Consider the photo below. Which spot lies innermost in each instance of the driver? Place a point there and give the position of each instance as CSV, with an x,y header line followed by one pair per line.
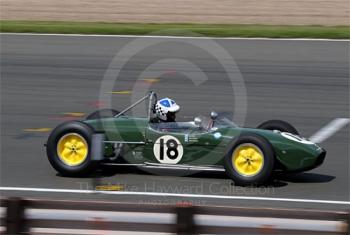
x,y
166,110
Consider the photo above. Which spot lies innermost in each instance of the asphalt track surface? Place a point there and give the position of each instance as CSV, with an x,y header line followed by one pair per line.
x,y
303,82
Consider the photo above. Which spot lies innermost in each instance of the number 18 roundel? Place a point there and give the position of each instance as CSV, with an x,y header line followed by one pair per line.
x,y
168,149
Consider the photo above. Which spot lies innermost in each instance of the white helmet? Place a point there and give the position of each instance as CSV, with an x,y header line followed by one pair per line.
x,y
164,106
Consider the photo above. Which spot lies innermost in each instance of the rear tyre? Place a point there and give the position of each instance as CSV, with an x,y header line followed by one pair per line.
x,y
278,125
249,160
103,113
69,149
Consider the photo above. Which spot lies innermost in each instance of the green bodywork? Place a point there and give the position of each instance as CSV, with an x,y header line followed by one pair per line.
x,y
200,147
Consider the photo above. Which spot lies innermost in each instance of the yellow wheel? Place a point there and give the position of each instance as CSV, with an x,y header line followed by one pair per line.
x,y
68,149
72,149
250,160
247,159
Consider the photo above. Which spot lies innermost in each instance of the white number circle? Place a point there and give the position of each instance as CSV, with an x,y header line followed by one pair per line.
x,y
295,138
168,149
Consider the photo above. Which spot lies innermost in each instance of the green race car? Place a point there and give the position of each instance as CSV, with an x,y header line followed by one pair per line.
x,y
247,155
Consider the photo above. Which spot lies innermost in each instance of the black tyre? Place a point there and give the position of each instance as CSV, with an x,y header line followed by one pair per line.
x,y
103,113
249,160
68,149
278,125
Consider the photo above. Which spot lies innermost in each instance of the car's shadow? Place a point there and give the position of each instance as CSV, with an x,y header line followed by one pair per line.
x,y
304,177
279,179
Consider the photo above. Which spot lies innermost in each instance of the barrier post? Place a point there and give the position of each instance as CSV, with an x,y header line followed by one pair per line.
x,y
348,222
15,222
185,224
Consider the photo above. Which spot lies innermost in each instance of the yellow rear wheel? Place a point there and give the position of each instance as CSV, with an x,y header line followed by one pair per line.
x,y
72,149
247,159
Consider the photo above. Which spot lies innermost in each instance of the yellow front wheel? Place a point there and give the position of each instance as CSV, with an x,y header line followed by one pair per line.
x,y
250,160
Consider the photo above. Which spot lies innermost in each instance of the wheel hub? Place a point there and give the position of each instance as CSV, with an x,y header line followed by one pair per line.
x,y
247,159
72,149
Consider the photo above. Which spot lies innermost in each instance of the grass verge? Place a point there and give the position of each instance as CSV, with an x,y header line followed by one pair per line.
x,y
213,30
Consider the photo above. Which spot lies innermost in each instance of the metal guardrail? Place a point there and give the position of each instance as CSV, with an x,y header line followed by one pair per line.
x,y
25,216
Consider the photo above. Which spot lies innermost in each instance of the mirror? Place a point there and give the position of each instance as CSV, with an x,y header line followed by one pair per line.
x,y
197,121
213,115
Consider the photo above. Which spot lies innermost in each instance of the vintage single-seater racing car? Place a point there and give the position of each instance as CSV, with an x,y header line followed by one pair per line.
x,y
249,156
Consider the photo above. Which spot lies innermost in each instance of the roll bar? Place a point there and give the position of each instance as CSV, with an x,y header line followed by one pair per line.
x,y
151,97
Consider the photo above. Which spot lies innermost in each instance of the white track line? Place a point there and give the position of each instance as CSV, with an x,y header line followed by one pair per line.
x,y
329,130
159,194
176,37
90,232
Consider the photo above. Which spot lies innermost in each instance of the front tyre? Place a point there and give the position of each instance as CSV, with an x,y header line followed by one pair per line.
x,y
249,160
278,125
69,149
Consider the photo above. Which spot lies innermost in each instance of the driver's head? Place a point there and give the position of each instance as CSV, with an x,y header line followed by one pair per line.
x,y
166,110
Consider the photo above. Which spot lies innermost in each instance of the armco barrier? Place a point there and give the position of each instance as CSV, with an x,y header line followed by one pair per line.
x,y
36,216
